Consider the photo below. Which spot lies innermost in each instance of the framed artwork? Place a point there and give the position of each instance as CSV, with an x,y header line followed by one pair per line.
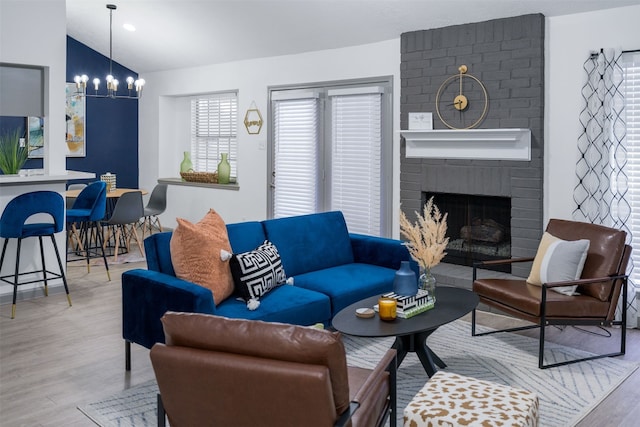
x,y
75,116
420,121
35,137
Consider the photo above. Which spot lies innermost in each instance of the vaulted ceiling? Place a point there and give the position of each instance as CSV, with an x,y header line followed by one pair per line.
x,y
174,34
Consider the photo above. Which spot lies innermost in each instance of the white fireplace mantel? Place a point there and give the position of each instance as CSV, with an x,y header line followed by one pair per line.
x,y
471,144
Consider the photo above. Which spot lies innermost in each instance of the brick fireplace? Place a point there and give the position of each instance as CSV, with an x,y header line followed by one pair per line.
x,y
507,55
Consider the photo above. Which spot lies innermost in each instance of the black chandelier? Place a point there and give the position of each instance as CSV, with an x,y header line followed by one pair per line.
x,y
134,87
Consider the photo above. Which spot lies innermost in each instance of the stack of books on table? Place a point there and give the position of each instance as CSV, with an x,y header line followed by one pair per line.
x,y
409,306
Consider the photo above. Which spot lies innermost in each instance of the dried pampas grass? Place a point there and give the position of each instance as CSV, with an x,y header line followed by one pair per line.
x,y
426,238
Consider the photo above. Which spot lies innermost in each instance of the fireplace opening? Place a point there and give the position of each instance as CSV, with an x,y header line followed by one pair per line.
x,y
478,227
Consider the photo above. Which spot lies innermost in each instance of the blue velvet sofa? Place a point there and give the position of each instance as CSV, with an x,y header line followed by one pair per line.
x,y
331,269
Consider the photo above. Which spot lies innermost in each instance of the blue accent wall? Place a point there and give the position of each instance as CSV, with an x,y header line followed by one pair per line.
x,y
111,127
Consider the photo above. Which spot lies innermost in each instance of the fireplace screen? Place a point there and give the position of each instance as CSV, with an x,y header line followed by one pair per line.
x,y
478,227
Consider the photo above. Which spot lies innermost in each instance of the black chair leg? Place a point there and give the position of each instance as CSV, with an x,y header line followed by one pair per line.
x,y
91,236
541,348
44,268
393,393
623,325
15,279
4,250
101,245
127,355
62,275
161,413
87,250
473,322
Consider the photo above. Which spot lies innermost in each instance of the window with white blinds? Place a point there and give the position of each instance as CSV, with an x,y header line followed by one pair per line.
x,y
295,157
214,122
356,140
631,88
331,152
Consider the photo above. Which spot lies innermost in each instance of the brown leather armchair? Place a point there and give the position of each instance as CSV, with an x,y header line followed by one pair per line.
x,y
234,372
602,281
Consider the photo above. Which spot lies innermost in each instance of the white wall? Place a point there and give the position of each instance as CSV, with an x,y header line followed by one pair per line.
x,y
570,39
162,140
35,33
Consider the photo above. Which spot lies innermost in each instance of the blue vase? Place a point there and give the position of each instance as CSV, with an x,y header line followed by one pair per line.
x,y
405,282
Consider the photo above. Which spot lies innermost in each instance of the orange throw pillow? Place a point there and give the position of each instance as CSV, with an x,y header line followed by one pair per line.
x,y
196,257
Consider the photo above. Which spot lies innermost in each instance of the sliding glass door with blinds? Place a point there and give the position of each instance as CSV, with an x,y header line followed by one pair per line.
x,y
331,150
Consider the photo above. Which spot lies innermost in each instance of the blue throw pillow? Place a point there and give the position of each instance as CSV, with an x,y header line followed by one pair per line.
x,y
257,272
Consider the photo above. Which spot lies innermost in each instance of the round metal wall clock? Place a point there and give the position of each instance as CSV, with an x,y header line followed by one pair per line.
x,y
462,101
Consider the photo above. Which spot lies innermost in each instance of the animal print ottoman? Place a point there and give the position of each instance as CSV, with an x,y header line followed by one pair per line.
x,y
449,399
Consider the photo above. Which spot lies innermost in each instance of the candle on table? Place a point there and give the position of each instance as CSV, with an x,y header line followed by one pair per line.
x,y
387,308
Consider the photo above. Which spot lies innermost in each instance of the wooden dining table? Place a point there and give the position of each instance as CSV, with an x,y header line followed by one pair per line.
x,y
72,194
112,197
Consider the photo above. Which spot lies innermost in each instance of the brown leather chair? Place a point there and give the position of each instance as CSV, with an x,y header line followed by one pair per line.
x,y
233,372
603,279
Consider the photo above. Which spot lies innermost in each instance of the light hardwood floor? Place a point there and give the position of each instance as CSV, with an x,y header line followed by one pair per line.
x,y
54,357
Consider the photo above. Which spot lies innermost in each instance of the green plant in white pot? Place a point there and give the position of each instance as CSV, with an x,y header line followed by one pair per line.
x,y
12,155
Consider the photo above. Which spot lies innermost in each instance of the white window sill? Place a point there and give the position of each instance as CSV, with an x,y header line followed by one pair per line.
x,y
180,182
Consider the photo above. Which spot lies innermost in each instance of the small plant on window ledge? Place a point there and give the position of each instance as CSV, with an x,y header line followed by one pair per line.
x,y
12,155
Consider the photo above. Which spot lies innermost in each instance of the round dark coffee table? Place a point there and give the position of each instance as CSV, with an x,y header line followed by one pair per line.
x,y
411,334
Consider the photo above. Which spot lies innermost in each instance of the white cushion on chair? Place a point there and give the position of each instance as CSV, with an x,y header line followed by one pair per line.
x,y
558,260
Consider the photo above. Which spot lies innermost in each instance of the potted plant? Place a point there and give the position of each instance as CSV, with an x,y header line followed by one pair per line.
x,y
12,155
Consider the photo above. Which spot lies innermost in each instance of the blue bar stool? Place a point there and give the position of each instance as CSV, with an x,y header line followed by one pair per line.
x,y
87,212
13,226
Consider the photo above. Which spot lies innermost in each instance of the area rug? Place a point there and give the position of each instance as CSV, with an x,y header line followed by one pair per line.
x,y
566,393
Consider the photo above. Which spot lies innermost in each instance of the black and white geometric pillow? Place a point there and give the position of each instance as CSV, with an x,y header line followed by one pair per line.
x,y
257,272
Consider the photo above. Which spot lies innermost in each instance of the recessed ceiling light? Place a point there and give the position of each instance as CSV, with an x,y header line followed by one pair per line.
x,y
129,27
